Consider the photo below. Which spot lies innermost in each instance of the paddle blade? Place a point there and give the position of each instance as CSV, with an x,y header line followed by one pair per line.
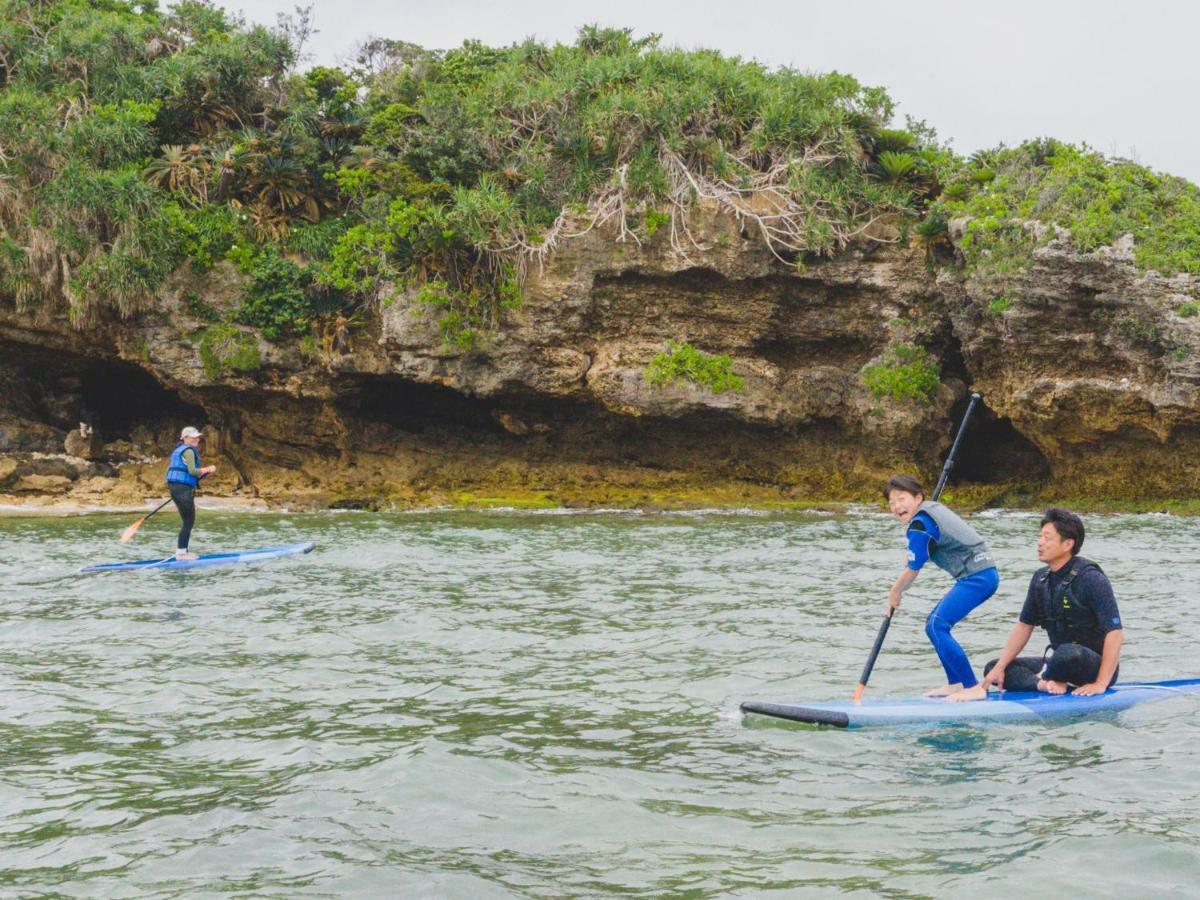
x,y
128,533
858,692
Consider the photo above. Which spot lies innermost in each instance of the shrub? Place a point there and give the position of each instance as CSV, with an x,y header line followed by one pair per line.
x,y
1095,199
999,305
905,373
683,362
1189,309
281,298
225,348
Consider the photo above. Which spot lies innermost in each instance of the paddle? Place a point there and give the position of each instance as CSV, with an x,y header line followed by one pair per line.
x,y
937,492
128,533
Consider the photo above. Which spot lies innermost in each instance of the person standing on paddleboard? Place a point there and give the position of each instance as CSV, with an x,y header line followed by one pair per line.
x,y
1072,599
183,474
936,533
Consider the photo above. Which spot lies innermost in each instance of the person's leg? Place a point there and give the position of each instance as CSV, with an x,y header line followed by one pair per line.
x,y
1022,673
184,496
1073,665
966,594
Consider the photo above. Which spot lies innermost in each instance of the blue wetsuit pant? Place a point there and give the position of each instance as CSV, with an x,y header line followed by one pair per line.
x,y
966,594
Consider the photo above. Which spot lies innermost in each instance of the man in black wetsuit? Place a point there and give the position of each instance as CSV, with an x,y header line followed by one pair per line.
x,y
1072,599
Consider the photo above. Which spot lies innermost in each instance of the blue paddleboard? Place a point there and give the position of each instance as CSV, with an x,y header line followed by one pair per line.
x,y
205,561
1000,706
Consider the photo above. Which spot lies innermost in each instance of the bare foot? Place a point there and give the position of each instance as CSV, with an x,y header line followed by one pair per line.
x,y
945,690
1051,687
978,692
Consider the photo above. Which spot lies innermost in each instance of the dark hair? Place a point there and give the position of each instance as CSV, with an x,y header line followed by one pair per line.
x,y
906,483
1068,525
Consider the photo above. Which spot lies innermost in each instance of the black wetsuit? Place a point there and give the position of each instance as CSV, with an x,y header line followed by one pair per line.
x,y
1074,662
184,496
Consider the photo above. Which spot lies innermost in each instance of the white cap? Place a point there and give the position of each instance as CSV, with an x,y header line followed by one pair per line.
x,y
190,432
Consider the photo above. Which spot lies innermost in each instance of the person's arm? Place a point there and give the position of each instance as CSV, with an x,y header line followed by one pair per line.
x,y
190,458
1098,590
918,538
1109,659
907,577
1017,639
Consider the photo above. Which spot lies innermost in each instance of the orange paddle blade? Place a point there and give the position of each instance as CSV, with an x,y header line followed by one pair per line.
x,y
128,533
858,692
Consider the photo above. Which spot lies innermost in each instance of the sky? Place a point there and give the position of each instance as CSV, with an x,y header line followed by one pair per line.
x,y
1122,77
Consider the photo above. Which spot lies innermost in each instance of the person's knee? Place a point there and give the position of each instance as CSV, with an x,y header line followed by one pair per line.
x,y
936,627
1071,655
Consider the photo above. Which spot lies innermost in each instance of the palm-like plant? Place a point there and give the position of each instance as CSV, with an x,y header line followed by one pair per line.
x,y
895,165
182,170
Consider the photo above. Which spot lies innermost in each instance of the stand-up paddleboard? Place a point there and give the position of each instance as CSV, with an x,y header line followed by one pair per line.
x,y
1000,706
202,562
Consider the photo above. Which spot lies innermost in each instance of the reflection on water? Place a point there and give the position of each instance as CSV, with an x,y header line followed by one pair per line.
x,y
471,704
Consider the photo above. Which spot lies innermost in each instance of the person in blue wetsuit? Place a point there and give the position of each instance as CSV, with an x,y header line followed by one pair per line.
x,y
1073,600
183,474
935,533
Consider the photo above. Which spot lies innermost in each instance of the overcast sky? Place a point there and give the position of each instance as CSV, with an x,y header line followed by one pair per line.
x,y
1120,76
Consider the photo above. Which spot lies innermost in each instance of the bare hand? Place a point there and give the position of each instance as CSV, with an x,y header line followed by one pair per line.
x,y
893,599
996,677
208,470
1088,690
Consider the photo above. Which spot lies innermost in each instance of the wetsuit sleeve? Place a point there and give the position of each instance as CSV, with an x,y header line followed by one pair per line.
x,y
1096,591
919,537
1031,612
189,459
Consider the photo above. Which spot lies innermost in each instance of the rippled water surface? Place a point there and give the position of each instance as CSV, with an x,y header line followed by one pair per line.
x,y
504,704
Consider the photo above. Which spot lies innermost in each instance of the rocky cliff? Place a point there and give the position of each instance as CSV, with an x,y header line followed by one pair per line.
x,y
1087,366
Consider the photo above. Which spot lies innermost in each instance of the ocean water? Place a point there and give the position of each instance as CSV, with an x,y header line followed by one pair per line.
x,y
513,704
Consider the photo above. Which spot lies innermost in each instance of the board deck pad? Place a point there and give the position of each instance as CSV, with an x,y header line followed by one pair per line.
x,y
170,563
1000,706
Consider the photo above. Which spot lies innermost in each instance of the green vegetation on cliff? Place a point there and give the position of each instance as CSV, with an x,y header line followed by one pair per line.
x,y
137,140
1005,192
683,362
904,373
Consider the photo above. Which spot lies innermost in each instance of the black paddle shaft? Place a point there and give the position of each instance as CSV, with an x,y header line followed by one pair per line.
x,y
937,492
962,429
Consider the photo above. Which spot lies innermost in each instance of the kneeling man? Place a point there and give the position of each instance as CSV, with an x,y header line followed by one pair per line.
x,y
1072,599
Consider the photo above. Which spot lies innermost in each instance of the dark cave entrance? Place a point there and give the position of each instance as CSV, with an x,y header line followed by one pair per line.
x,y
993,451
54,391
119,397
405,405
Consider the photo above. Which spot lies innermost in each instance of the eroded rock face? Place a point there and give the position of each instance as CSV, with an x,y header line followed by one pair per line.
x,y
1094,364
1086,366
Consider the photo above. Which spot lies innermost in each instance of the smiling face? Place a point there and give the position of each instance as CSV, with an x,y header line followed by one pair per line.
x,y
903,505
1052,548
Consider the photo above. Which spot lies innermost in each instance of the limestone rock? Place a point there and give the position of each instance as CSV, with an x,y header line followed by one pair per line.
x,y
43,484
1090,377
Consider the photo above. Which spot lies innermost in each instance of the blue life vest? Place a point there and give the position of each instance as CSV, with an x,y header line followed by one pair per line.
x,y
177,471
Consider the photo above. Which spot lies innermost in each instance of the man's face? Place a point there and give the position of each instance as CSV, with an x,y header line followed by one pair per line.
x,y
1051,546
192,441
904,505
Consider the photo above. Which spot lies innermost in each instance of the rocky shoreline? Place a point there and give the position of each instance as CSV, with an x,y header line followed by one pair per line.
x,y
1089,381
